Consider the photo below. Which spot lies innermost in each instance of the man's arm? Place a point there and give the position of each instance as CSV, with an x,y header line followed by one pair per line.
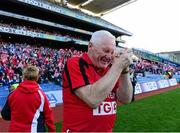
x,y
125,90
48,115
95,93
6,112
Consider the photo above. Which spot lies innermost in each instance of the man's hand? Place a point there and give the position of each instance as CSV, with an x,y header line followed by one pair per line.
x,y
123,58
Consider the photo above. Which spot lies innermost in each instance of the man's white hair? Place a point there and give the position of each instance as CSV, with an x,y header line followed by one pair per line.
x,y
98,36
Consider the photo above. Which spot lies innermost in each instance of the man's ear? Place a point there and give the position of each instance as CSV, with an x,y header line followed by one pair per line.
x,y
37,78
90,45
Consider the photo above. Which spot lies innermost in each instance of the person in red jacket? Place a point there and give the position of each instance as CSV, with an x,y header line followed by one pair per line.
x,y
27,107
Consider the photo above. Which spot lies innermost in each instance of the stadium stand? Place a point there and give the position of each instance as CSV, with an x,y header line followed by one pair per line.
x,y
46,35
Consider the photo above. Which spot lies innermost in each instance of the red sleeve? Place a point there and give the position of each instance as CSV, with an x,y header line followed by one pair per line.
x,y
74,74
48,115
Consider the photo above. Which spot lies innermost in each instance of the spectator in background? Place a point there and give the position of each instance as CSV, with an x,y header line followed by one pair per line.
x,y
13,87
92,84
133,78
169,73
140,68
28,107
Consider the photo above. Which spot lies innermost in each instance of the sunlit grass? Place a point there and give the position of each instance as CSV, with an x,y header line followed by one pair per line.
x,y
160,113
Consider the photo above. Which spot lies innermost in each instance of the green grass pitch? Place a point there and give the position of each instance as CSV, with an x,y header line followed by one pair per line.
x,y
158,113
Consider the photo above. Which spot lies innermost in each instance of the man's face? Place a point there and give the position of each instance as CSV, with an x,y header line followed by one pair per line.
x,y
102,54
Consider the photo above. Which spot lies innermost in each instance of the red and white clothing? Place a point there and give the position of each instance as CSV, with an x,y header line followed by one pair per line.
x,y
77,115
28,109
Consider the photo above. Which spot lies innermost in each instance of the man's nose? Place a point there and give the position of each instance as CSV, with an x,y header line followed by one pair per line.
x,y
108,55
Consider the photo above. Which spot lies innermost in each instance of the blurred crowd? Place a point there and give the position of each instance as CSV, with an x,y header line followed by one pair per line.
x,y
144,66
15,56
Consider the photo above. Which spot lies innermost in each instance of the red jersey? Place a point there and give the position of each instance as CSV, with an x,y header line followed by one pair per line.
x,y
77,115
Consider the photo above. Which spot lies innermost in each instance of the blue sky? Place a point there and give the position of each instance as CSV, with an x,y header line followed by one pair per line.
x,y
155,24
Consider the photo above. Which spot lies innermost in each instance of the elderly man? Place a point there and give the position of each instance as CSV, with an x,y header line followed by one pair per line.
x,y
93,83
